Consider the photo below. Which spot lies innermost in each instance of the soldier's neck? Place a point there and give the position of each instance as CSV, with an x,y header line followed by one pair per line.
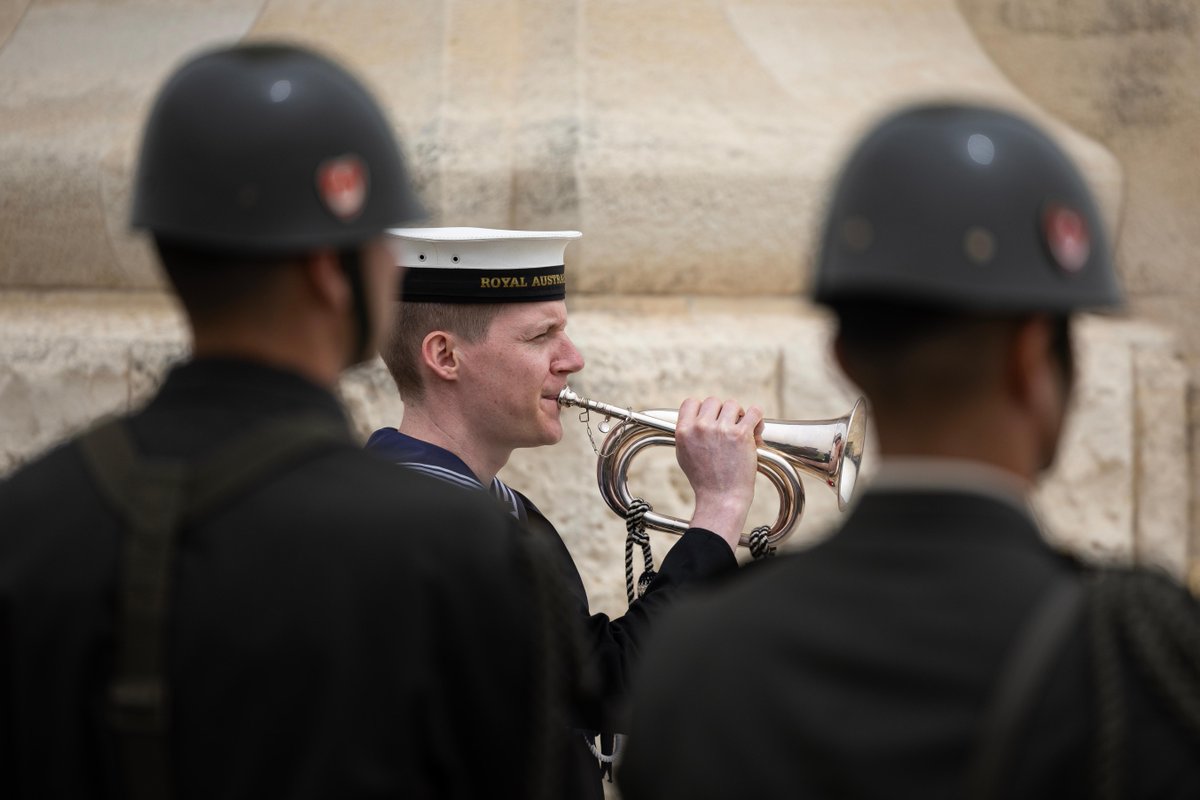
x,y
321,369
994,445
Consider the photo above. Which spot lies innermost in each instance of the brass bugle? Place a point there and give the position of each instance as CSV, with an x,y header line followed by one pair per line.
x,y
829,450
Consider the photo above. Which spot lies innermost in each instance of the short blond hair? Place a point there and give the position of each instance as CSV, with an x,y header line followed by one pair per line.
x,y
414,321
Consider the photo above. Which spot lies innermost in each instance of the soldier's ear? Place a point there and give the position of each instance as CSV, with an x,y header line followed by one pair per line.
x,y
326,280
439,353
1033,374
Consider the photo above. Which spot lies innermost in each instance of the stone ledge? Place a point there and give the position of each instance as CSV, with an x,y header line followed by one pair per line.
x,y
689,174
1121,488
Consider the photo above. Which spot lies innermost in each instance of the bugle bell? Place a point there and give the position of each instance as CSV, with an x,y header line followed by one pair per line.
x,y
830,450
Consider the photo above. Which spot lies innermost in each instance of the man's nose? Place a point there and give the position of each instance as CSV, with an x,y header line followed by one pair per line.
x,y
570,360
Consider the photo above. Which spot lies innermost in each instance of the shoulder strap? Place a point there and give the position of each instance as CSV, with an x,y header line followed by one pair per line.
x,y
1024,671
154,497
250,459
148,496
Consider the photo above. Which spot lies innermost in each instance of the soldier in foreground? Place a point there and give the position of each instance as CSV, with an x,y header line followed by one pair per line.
x,y
936,646
222,595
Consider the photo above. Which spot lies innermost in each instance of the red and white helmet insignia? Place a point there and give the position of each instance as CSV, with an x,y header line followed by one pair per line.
x,y
1067,236
342,184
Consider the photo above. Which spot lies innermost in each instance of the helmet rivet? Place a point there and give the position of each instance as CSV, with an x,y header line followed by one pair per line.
x,y
280,91
858,234
979,244
981,149
421,257
454,259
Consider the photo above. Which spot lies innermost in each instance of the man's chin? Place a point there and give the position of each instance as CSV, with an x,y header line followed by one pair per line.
x,y
546,436
553,433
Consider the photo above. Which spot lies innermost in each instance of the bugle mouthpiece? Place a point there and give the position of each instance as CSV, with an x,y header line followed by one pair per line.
x,y
567,398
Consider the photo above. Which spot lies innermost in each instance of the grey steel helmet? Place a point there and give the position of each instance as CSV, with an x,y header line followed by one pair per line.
x,y
269,149
967,208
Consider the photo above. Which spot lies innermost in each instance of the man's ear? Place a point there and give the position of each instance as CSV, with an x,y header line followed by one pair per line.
x,y
1031,373
326,280
439,351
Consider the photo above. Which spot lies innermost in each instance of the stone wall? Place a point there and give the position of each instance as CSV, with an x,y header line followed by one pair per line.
x,y
1127,74
692,143
67,357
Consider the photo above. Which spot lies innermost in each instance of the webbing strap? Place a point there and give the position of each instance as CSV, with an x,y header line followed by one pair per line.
x,y
156,497
237,465
148,495
1024,671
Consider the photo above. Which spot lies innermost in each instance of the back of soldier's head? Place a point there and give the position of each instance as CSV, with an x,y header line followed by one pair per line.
x,y
947,224
255,154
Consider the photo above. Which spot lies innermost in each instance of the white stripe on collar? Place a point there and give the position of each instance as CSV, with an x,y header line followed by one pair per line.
x,y
499,490
448,475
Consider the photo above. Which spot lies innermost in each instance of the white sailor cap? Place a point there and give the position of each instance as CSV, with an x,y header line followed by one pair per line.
x,y
481,265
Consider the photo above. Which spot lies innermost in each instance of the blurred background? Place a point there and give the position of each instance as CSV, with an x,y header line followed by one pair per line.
x,y
692,142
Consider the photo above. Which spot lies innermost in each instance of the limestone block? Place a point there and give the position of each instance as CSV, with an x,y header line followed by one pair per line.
x,y
692,143
1101,65
369,397
76,80
1121,488
1088,504
1128,74
10,15
66,360
1163,478
1177,312
712,131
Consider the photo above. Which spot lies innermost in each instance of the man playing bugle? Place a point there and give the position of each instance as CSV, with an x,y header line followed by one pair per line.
x,y
480,354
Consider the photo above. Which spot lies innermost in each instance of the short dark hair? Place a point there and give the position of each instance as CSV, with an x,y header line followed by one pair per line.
x,y
213,283
414,321
916,356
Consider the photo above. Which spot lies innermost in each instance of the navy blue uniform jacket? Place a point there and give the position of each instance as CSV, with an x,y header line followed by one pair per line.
x,y
611,647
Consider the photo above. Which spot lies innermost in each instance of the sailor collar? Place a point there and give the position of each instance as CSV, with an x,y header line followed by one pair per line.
x,y
437,462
